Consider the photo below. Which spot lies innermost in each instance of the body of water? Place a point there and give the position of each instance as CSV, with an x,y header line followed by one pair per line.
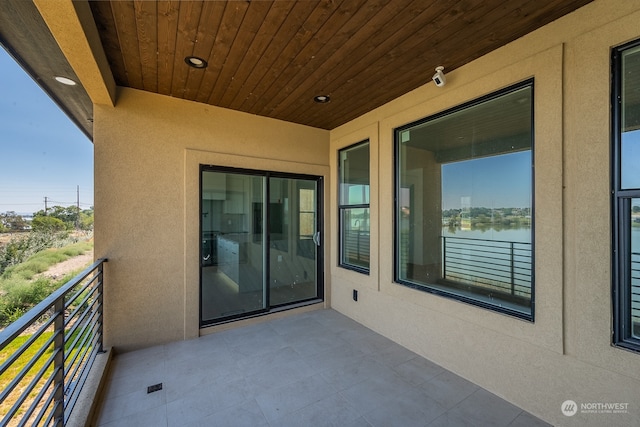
x,y
522,235
518,235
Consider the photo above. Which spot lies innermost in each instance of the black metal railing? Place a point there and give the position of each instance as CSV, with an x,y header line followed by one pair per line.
x,y
43,372
493,264
635,293
356,244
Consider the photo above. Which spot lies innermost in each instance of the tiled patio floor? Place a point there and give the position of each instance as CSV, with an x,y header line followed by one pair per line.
x,y
313,369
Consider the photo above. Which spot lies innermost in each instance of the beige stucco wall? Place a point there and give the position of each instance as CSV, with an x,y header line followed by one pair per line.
x,y
147,155
566,353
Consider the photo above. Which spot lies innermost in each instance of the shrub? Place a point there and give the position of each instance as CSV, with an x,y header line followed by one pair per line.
x,y
19,249
19,292
21,295
48,223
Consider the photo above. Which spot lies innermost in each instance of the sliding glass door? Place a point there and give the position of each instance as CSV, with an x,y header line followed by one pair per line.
x,y
260,242
293,240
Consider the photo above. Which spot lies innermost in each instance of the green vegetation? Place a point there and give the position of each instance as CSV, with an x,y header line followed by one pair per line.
x,y
19,364
24,255
24,359
67,219
485,218
47,223
41,261
56,218
21,289
11,221
24,245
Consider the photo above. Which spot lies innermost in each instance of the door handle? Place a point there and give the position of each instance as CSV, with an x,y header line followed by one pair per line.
x,y
316,238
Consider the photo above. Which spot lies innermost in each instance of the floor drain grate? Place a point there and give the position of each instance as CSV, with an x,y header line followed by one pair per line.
x,y
154,387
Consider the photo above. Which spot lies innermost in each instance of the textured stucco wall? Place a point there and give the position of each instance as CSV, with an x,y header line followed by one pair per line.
x,y
566,353
147,155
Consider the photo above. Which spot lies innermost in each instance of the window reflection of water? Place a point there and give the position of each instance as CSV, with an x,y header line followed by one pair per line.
x,y
522,234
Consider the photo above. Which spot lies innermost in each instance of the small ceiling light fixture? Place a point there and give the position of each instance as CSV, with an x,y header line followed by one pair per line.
x,y
195,62
65,81
438,78
322,99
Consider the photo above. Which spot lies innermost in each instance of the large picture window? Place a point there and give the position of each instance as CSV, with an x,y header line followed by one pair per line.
x,y
464,211
626,195
354,207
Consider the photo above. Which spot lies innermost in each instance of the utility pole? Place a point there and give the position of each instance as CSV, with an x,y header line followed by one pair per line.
x,y
78,210
45,205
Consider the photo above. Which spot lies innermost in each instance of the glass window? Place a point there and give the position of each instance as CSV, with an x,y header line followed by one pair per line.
x,y
464,213
626,190
354,207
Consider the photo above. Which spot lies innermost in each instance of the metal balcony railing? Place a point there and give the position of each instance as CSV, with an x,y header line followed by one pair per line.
x,y
356,246
45,373
492,264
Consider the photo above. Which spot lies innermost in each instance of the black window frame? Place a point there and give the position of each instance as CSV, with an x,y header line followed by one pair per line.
x,y
396,249
621,214
343,207
264,228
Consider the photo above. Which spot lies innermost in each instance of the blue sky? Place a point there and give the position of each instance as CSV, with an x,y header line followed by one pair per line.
x,y
498,181
631,159
42,152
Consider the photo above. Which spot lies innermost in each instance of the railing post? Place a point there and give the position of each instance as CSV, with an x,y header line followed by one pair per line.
x,y
444,257
58,363
100,310
513,278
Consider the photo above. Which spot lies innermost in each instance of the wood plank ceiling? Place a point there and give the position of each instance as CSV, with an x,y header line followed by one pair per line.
x,y
271,58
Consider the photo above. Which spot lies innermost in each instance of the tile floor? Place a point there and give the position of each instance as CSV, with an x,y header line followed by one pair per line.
x,y
314,369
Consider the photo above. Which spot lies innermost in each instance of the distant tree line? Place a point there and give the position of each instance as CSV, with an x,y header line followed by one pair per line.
x,y
56,218
507,217
11,221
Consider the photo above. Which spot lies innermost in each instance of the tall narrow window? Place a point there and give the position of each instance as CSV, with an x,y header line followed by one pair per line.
x,y
626,194
354,207
464,211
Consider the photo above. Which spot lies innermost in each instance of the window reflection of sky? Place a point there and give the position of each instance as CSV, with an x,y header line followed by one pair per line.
x,y
630,167
502,181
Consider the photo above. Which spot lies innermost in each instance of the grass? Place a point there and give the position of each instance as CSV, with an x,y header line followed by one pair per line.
x,y
18,365
40,262
22,361
21,289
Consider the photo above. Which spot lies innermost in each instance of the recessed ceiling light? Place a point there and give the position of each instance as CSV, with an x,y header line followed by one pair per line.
x,y
195,62
322,99
65,81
